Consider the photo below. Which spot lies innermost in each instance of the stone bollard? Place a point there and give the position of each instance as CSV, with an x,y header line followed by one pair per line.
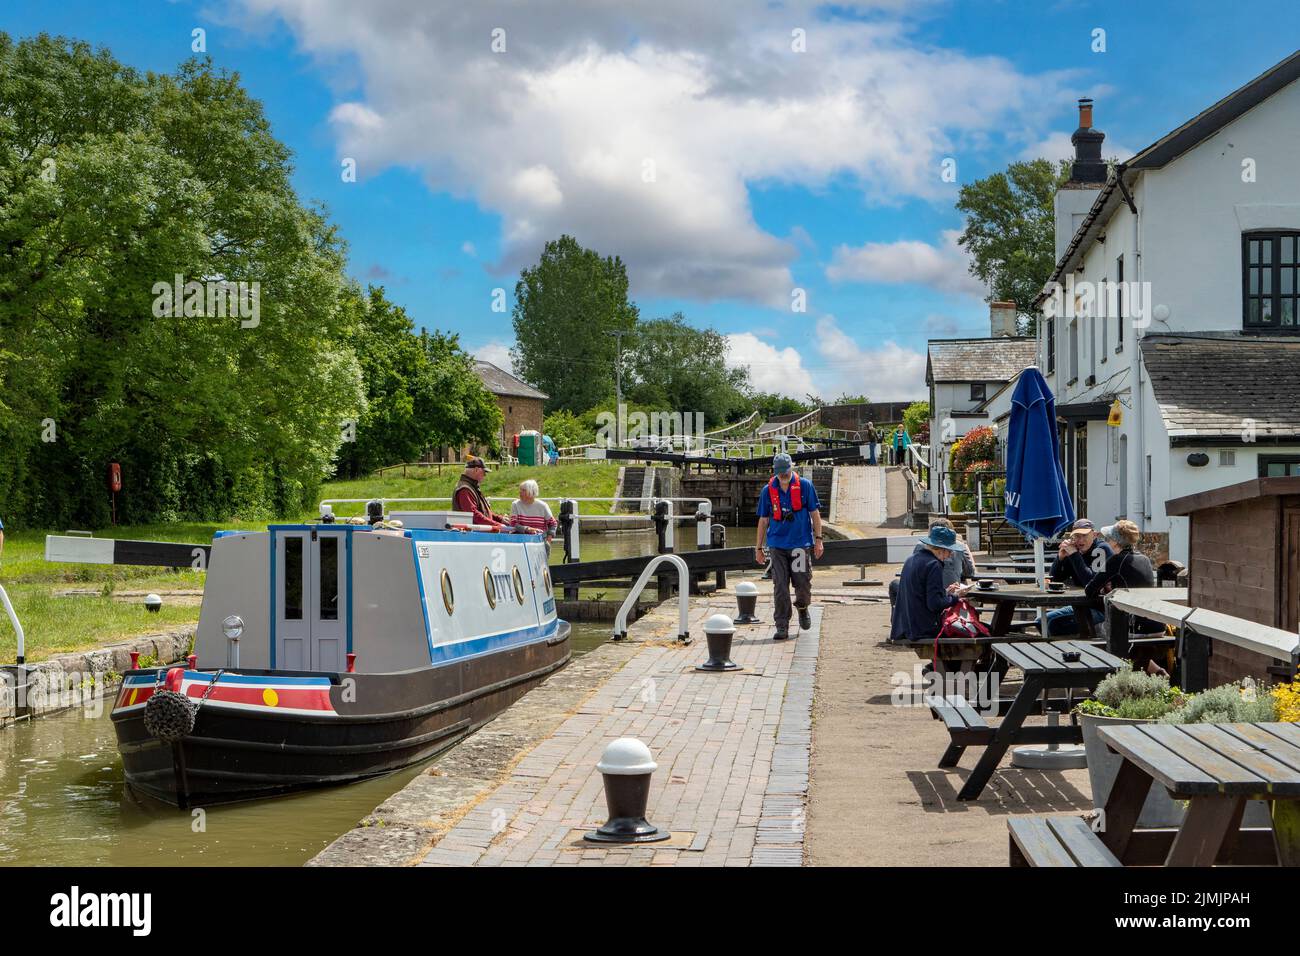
x,y
718,630
627,766
746,601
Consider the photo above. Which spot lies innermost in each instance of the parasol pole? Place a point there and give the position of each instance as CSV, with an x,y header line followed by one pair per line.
x,y
1040,575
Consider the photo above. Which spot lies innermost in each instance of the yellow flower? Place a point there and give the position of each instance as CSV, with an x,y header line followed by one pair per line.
x,y
1287,699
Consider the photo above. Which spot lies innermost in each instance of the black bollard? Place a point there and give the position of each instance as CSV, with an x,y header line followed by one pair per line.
x,y
746,601
718,631
626,766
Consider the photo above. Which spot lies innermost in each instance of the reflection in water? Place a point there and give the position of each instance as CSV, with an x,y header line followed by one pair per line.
x,y
63,800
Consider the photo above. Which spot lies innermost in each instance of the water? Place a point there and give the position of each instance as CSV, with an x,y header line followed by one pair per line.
x,y
64,802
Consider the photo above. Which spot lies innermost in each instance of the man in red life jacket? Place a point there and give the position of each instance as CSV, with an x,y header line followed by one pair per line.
x,y
789,528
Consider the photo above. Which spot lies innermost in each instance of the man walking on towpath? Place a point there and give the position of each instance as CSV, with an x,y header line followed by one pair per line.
x,y
789,528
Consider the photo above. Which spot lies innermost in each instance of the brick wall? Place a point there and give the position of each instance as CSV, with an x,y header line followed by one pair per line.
x,y
855,417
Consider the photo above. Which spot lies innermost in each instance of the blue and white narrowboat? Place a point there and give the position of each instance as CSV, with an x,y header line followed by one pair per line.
x,y
331,652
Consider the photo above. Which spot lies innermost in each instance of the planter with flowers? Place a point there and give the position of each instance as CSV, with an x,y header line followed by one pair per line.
x,y
1132,697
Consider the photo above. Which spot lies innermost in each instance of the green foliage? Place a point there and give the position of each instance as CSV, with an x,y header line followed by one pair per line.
x,y
915,416
770,404
1010,230
1134,695
564,306
112,182
567,429
421,390
978,445
1228,703
675,367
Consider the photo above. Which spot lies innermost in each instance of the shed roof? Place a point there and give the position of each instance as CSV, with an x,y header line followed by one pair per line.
x,y
1225,386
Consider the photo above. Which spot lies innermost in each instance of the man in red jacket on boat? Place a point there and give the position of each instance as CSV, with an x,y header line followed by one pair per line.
x,y
790,525
468,497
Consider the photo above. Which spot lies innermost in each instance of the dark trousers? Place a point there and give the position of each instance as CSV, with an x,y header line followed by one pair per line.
x,y
790,566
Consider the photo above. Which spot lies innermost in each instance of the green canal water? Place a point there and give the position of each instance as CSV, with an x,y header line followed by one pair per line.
x,y
63,800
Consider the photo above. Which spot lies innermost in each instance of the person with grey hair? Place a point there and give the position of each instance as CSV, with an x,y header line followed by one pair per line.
x,y
531,512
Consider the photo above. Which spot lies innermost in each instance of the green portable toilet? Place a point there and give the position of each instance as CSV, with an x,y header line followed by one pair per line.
x,y
530,448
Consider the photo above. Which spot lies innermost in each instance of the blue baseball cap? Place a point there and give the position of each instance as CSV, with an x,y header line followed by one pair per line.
x,y
781,464
941,537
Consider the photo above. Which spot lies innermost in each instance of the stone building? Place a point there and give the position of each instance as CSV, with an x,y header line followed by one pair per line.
x,y
520,403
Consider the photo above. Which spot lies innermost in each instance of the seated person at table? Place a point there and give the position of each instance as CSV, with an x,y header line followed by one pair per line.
x,y
1126,568
922,596
959,567
1082,554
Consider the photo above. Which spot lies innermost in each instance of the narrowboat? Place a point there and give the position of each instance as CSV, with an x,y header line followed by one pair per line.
x,y
331,652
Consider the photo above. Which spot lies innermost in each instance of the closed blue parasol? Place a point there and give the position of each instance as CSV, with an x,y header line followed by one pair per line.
x,y
1038,502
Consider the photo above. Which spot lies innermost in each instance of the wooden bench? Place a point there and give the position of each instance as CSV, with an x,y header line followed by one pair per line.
x,y
965,726
1057,841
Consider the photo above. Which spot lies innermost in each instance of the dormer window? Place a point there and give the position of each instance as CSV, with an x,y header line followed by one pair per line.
x,y
1270,263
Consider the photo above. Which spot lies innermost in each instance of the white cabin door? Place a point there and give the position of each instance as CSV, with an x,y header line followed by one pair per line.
x,y
292,626
328,604
311,610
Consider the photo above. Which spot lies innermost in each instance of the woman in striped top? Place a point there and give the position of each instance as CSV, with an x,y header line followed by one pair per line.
x,y
529,511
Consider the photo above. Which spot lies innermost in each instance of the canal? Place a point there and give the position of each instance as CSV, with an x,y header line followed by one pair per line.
x,y
63,801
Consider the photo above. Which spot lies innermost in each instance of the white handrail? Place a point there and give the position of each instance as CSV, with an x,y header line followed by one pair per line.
x,y
683,593
13,619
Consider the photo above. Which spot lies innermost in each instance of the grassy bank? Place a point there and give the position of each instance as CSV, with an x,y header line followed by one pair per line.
x,y
55,624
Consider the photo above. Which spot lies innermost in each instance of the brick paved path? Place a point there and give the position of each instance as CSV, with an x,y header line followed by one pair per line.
x,y
732,751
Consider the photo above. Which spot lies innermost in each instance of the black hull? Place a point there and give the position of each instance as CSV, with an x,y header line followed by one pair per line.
x,y
384,722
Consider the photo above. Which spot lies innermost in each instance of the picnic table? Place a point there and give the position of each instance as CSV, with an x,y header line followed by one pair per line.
x,y
1216,768
1009,598
1047,666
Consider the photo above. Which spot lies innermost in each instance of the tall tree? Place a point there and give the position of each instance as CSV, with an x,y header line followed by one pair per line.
x,y
421,390
676,367
111,184
564,306
1010,230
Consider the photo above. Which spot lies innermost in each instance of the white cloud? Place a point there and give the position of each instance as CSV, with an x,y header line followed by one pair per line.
x,y
639,127
467,247
771,369
496,352
944,266
885,373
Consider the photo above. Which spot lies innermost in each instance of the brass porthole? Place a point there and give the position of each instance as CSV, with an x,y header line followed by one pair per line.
x,y
546,576
519,585
448,595
489,588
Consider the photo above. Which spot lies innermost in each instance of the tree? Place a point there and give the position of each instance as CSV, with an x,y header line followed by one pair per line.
x,y
675,367
564,306
771,404
113,183
1010,230
915,416
421,390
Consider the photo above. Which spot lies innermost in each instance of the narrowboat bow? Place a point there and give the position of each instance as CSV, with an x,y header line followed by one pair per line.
x,y
331,652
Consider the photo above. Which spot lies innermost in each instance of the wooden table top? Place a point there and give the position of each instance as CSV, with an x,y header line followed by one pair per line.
x,y
1030,596
1203,759
1048,657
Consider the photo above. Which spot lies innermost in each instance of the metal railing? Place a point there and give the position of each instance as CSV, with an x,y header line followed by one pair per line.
x,y
683,595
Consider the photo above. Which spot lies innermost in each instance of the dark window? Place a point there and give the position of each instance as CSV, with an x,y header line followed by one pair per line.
x,y
1051,346
329,578
1279,466
293,579
1270,286
977,392
1119,279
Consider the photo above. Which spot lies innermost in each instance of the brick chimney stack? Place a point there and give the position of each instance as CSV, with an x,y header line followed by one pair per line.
x,y
1088,166
1002,319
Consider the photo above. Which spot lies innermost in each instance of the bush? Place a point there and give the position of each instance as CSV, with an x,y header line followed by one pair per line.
x,y
1228,704
1133,695
916,419
977,445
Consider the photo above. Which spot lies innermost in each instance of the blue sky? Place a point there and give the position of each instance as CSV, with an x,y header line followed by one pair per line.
x,y
726,166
